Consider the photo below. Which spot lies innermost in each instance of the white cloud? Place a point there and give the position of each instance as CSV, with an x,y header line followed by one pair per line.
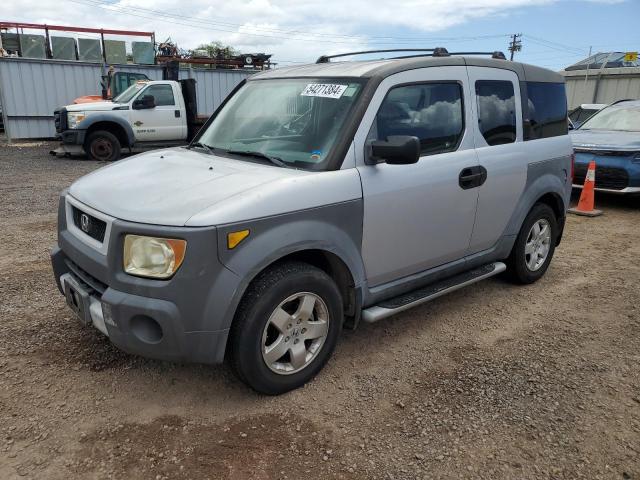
x,y
291,29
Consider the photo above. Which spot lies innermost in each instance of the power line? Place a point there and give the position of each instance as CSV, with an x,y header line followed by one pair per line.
x,y
286,34
306,36
553,45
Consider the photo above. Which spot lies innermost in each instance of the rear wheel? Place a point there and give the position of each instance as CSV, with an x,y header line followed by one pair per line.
x,y
535,245
102,146
286,328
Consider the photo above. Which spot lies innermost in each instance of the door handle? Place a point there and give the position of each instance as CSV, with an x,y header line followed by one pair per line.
x,y
472,177
177,113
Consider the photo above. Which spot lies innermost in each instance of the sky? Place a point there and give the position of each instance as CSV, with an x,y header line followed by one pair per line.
x,y
555,33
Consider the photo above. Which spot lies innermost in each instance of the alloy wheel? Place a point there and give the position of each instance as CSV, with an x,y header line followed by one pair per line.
x,y
295,333
538,244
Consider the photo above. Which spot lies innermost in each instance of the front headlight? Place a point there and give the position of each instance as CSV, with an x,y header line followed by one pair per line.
x,y
153,257
74,118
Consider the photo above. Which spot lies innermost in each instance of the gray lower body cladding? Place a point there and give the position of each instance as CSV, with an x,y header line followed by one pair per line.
x,y
188,308
193,311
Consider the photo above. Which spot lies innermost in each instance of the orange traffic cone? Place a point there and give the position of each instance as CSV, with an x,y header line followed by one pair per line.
x,y
586,202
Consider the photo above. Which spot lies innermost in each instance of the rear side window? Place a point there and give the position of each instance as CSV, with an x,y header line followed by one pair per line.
x,y
585,114
163,94
547,110
574,116
496,111
433,112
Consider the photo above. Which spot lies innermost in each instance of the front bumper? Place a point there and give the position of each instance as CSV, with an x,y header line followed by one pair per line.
x,y
73,137
614,173
624,191
139,325
185,318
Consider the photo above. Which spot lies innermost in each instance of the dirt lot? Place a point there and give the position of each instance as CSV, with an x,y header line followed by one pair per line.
x,y
494,381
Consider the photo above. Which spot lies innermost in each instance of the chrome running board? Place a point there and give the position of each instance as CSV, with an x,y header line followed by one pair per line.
x,y
422,295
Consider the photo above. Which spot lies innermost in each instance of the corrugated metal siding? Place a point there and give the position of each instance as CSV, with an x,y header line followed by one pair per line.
x,y
30,90
614,84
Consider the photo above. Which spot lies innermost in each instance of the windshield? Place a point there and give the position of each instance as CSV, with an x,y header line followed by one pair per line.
x,y
129,93
294,120
615,118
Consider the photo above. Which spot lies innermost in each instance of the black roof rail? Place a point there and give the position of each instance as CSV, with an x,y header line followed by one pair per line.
x,y
429,52
497,54
439,51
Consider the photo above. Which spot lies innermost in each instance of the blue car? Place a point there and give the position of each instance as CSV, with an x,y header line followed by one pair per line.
x,y
611,137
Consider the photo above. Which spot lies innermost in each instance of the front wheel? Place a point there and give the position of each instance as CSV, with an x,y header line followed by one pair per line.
x,y
286,327
534,246
102,146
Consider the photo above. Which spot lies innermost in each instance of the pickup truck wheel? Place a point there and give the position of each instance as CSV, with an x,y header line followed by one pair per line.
x,y
102,146
534,245
286,328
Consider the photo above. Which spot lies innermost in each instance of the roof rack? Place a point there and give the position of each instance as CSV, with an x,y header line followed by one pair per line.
x,y
497,54
326,58
429,52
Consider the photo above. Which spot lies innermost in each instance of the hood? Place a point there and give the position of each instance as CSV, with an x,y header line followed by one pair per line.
x,y
605,140
167,187
92,107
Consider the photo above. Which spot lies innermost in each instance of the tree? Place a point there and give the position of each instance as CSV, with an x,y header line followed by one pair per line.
x,y
217,49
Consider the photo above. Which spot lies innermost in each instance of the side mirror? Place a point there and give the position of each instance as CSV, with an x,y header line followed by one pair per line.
x,y
397,150
146,102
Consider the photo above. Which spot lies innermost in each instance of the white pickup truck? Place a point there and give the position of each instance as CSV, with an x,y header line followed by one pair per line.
x,y
148,113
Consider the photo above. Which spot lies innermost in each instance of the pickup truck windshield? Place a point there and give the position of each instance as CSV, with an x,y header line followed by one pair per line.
x,y
294,120
129,93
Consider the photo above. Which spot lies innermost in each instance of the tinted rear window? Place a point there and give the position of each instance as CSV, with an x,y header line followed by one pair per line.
x,y
496,111
547,110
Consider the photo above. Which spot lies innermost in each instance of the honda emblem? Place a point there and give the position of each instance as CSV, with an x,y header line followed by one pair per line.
x,y
84,223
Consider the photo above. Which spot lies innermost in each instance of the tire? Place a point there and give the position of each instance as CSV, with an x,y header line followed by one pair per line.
x,y
525,264
276,297
102,146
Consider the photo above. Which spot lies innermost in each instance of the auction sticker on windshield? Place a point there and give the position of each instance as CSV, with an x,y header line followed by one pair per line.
x,y
326,90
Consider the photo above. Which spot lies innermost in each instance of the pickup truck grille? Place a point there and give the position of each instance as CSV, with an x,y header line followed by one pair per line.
x,y
606,177
60,119
92,226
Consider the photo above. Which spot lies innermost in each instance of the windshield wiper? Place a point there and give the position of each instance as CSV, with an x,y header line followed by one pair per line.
x,y
249,153
204,146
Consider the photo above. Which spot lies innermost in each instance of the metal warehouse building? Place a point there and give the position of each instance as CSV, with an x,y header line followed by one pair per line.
x,y
602,78
31,89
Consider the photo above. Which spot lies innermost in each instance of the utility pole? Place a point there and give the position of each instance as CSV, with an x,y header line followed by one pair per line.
x,y
515,45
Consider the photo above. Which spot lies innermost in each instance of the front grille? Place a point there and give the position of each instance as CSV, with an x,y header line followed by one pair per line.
x,y
92,226
606,177
60,120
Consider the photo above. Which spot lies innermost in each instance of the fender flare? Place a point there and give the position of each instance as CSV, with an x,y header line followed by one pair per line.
x,y
273,239
543,185
110,118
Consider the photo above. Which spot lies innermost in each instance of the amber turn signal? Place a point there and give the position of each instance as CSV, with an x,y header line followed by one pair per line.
x,y
234,238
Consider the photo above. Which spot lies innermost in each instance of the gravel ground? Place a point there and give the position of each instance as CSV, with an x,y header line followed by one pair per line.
x,y
494,381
